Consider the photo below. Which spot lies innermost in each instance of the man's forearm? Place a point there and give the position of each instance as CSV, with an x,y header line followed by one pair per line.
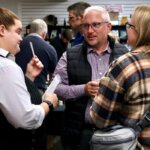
x,y
69,92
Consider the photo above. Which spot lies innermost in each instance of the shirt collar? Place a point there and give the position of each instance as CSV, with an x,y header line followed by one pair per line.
x,y
35,34
107,49
3,52
7,54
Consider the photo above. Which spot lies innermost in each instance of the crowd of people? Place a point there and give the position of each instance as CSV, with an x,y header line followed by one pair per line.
x,y
102,82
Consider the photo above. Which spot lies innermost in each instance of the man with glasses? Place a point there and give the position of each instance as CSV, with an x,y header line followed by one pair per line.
x,y
80,69
75,15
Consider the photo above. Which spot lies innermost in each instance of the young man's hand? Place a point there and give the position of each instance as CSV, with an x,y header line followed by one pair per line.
x,y
34,68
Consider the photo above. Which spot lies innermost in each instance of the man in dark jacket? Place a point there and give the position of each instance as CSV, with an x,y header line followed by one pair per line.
x,y
43,50
80,68
61,41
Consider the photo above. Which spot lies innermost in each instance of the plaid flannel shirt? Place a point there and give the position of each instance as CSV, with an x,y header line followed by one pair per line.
x,y
124,93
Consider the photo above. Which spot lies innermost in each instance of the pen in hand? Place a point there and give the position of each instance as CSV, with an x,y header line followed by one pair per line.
x,y
31,45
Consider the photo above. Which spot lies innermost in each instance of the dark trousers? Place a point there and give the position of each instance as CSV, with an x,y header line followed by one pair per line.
x,y
19,139
84,141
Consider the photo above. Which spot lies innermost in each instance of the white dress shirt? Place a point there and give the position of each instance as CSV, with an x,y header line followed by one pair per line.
x,y
15,101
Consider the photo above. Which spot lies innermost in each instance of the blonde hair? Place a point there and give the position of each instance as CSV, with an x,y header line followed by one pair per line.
x,y
141,20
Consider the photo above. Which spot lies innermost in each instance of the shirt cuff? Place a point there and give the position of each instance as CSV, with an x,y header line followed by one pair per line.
x,y
80,90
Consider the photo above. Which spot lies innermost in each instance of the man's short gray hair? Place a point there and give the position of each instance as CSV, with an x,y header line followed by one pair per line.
x,y
38,26
103,12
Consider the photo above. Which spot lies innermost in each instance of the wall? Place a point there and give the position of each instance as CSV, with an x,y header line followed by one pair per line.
x,y
29,10
14,5
32,10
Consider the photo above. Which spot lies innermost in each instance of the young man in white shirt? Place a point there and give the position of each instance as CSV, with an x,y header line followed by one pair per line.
x,y
15,100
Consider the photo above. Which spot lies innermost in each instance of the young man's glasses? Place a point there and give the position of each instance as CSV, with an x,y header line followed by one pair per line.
x,y
94,25
128,25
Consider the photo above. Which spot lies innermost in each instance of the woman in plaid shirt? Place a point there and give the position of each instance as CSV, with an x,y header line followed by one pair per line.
x,y
124,92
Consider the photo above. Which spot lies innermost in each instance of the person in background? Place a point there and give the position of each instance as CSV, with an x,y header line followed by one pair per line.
x,y
124,94
115,36
80,68
61,42
16,110
43,50
75,15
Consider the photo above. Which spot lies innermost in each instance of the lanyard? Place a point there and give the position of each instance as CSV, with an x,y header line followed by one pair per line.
x,y
5,56
1,56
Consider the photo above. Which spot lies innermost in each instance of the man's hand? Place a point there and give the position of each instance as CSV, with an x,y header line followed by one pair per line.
x,y
34,68
52,98
91,88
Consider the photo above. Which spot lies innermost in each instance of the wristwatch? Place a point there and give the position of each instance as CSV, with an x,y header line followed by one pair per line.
x,y
50,105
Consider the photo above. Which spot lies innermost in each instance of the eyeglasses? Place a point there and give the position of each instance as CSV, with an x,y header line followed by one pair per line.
x,y
94,25
128,25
